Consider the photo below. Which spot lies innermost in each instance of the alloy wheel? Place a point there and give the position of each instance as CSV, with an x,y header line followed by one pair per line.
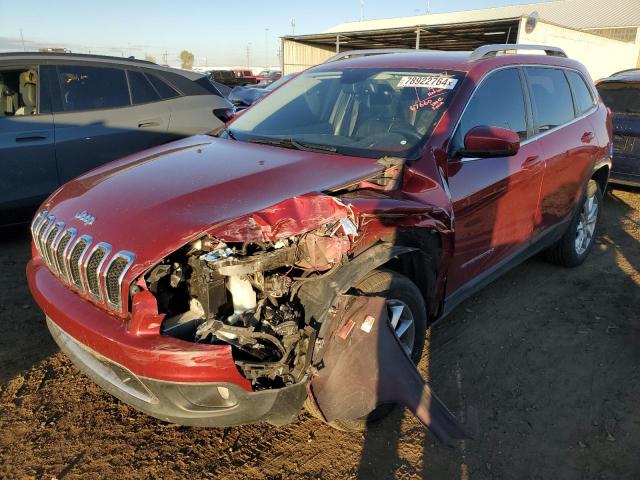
x,y
403,323
586,224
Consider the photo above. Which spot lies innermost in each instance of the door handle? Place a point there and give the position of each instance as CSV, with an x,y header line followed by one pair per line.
x,y
32,136
531,161
587,137
153,122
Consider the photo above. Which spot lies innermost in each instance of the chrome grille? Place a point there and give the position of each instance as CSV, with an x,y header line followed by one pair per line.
x,y
92,268
61,252
49,252
74,260
114,275
47,220
89,269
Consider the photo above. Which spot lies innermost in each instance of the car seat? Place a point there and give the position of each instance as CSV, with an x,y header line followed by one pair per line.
x,y
28,93
385,115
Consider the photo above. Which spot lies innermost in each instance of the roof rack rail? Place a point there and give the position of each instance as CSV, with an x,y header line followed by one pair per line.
x,y
365,53
492,50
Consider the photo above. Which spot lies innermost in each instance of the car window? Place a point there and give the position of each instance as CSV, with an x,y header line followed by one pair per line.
x,y
581,93
551,98
621,97
498,102
164,89
92,88
19,92
141,90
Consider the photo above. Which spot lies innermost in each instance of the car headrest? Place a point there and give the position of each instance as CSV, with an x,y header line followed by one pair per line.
x,y
383,96
28,88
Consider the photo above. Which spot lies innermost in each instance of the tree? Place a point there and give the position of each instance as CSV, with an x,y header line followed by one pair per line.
x,y
186,58
150,58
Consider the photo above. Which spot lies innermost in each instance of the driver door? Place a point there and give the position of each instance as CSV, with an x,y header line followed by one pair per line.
x,y
495,200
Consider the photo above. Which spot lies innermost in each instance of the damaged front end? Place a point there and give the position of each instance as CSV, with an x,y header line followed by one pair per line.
x,y
244,293
270,285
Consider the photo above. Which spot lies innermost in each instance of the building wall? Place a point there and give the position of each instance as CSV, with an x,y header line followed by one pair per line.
x,y
602,56
299,56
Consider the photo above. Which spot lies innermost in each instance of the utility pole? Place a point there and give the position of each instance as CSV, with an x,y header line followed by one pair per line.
x,y
293,26
361,10
22,39
428,7
266,48
164,58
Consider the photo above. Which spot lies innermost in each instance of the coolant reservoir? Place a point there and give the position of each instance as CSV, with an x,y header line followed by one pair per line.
x,y
243,294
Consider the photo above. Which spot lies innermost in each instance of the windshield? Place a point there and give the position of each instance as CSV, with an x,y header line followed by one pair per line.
x,y
623,98
359,111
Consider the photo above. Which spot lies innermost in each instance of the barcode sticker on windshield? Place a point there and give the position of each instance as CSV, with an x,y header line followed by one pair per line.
x,y
428,81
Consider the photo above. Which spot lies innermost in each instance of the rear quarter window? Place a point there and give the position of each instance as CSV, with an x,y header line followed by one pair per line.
x,y
186,86
551,98
141,90
163,88
581,93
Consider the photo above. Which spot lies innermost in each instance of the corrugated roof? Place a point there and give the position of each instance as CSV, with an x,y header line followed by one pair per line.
x,y
578,14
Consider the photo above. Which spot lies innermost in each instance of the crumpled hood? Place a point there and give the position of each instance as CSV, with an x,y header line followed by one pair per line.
x,y
153,202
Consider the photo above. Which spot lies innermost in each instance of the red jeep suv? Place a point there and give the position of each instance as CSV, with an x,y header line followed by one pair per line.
x,y
208,281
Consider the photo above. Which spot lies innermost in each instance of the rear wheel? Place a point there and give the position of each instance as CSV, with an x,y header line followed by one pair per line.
x,y
408,316
574,246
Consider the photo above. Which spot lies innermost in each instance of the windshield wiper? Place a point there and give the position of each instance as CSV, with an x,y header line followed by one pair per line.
x,y
294,144
220,130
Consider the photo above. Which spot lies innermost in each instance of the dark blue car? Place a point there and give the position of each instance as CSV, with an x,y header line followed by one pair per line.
x,y
621,93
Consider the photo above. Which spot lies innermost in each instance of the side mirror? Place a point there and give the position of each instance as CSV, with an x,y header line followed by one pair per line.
x,y
485,142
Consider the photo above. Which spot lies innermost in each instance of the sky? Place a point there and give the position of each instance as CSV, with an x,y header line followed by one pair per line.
x,y
218,33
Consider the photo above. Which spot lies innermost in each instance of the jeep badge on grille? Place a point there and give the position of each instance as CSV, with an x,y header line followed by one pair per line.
x,y
85,217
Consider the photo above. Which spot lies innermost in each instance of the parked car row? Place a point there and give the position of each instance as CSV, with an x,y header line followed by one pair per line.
x,y
233,78
297,255
244,97
64,114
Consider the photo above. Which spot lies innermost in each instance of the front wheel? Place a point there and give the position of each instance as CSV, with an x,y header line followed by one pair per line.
x,y
574,246
408,316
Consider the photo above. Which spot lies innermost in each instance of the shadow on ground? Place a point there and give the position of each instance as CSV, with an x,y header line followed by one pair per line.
x,y
24,340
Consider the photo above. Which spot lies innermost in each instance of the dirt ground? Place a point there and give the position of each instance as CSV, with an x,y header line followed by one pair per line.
x,y
548,357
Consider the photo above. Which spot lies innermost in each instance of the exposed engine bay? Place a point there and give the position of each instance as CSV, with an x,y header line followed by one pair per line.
x,y
244,294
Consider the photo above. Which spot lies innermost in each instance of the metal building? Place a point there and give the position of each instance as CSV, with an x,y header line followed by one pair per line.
x,y
602,34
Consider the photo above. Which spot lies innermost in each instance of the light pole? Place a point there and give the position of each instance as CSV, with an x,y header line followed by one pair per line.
x,y
266,48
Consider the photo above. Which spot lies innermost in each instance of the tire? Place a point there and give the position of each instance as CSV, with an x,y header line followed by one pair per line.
x,y
396,288
570,251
